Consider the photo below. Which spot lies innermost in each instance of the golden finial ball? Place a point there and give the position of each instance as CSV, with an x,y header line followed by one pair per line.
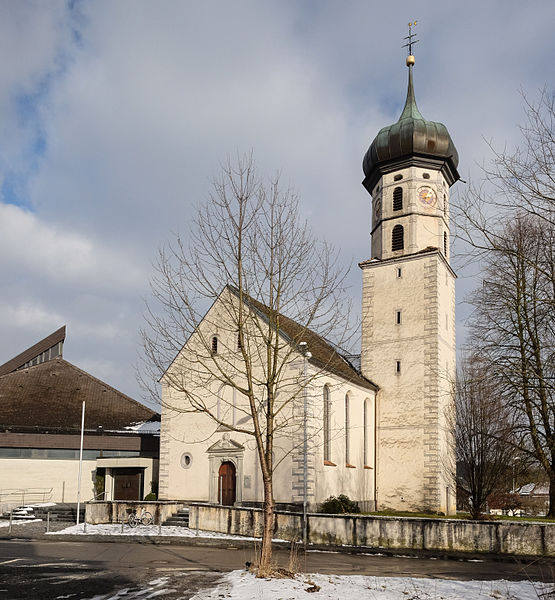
x,y
410,60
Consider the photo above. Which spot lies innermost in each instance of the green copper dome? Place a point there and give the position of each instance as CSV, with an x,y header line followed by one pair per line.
x,y
411,141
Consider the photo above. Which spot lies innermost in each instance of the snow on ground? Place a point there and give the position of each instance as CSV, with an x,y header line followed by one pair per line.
x,y
151,530
239,585
18,522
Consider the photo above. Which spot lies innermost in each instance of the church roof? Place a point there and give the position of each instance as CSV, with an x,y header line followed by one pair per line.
x,y
411,140
324,354
50,396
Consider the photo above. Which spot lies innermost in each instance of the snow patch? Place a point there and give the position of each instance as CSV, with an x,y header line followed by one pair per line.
x,y
239,585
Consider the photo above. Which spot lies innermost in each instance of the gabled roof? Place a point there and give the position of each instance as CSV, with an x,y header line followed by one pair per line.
x,y
324,354
50,396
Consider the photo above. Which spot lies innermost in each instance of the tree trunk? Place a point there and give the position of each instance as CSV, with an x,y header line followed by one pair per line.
x,y
551,509
265,564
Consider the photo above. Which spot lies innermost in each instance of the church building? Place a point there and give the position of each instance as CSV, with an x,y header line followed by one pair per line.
x,y
378,426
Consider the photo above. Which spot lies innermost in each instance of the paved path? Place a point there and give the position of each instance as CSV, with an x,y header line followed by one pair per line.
x,y
78,570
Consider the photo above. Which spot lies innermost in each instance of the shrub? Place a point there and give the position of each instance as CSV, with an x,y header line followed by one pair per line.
x,y
338,505
151,496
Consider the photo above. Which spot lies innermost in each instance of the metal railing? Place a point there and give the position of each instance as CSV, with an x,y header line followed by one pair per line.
x,y
23,495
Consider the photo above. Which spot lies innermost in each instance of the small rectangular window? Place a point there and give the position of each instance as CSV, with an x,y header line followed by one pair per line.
x,y
399,273
398,317
398,367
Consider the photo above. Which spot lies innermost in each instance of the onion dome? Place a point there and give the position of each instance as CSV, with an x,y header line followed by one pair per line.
x,y
411,141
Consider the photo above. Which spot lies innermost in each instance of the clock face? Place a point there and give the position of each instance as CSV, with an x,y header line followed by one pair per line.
x,y
427,196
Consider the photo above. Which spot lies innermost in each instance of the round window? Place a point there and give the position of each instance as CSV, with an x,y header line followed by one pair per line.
x,y
186,460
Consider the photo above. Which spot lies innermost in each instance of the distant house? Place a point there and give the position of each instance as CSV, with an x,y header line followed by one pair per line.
x,y
41,396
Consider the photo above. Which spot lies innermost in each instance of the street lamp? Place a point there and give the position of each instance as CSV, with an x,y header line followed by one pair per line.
x,y
307,356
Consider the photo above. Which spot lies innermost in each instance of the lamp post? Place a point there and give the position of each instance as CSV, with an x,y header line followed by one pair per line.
x,y
306,356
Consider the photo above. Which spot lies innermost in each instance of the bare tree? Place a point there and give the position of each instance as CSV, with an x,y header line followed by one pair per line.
x,y
513,329
250,256
482,429
508,222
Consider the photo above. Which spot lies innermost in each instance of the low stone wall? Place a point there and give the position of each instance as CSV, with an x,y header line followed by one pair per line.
x,y
116,510
395,533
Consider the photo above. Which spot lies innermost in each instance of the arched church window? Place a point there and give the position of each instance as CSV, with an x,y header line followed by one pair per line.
x,y
398,198
327,423
397,238
347,430
365,432
214,345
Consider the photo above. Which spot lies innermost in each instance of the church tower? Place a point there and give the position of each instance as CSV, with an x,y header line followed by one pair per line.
x,y
408,312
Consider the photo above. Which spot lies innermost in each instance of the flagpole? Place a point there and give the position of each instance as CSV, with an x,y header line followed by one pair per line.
x,y
80,461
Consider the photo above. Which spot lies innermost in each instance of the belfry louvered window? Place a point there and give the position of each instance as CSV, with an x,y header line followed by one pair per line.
x,y
397,238
445,243
397,198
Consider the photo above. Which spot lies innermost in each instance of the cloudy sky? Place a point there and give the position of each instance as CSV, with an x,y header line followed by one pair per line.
x,y
115,115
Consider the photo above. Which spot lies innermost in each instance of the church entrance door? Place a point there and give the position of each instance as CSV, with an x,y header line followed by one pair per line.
x,y
226,483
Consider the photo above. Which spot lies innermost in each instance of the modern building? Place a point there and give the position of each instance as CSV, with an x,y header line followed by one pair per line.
x,y
42,396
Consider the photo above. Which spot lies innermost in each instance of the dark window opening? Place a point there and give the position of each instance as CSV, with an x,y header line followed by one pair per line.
x,y
398,177
397,198
398,317
426,175
397,366
399,272
214,346
445,243
239,345
397,238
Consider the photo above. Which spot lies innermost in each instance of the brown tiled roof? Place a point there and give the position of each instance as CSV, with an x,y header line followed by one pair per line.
x,y
50,395
324,355
19,360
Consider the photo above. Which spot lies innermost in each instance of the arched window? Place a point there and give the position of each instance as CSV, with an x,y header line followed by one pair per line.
x,y
347,431
398,198
397,238
327,423
239,345
445,243
214,346
365,432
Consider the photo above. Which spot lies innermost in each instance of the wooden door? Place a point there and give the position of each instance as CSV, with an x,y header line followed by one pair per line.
x,y
128,484
226,484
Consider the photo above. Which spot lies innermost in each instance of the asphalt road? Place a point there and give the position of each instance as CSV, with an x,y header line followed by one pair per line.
x,y
47,570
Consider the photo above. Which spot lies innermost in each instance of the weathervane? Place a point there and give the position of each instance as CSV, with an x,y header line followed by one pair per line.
x,y
409,38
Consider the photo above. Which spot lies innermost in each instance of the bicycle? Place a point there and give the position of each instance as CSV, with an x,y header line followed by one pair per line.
x,y
143,518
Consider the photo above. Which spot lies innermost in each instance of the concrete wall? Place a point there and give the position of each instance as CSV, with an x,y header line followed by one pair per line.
x,y
36,475
115,511
396,533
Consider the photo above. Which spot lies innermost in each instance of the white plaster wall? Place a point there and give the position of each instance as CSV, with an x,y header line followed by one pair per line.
x,y
357,479
60,475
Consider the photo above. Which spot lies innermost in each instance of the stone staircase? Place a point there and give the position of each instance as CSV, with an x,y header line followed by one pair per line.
x,y
61,512
58,512
178,519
